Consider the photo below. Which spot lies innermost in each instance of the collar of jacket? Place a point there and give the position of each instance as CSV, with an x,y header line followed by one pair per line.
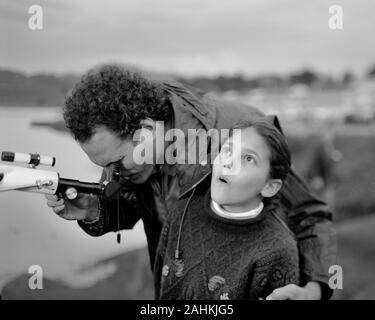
x,y
189,113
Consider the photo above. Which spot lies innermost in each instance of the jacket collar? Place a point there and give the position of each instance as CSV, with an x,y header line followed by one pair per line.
x,y
189,113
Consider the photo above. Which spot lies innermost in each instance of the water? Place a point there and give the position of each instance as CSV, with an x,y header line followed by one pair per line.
x,y
30,233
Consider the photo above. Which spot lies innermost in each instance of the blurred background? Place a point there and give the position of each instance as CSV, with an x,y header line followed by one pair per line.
x,y
278,55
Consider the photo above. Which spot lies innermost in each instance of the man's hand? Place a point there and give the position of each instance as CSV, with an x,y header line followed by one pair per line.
x,y
83,207
312,291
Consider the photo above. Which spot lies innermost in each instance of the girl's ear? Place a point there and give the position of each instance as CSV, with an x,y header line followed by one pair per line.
x,y
271,188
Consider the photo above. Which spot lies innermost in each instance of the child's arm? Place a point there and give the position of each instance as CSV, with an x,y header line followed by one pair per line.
x,y
273,271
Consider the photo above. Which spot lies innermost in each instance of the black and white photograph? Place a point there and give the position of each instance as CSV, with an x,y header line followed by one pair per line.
x,y
187,150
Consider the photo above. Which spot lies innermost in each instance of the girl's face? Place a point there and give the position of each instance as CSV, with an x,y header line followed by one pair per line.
x,y
242,189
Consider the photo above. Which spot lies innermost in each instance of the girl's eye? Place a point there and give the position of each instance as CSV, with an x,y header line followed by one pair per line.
x,y
249,158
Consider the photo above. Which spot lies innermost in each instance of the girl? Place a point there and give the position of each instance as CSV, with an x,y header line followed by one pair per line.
x,y
225,240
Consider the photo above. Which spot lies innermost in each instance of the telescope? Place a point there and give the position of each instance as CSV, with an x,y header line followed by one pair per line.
x,y
32,179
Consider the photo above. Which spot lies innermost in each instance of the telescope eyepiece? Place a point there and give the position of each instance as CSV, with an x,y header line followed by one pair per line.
x,y
116,171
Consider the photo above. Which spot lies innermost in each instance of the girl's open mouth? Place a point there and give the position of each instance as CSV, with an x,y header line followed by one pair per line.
x,y
223,180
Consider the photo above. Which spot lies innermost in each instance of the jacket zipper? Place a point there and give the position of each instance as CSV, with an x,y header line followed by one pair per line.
x,y
195,184
163,193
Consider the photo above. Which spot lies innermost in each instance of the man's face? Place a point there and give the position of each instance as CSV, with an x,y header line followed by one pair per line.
x,y
241,190
105,148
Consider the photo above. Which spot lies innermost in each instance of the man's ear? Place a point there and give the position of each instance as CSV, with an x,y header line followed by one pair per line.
x,y
149,124
271,188
146,124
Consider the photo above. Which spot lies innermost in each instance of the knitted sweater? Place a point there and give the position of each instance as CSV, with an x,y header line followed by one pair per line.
x,y
222,260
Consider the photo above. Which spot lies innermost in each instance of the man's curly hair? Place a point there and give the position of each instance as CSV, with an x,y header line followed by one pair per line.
x,y
114,97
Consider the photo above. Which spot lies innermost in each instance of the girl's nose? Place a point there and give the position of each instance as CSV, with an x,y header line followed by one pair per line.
x,y
227,162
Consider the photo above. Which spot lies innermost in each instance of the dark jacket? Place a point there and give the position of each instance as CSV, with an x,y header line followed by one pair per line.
x,y
219,258
308,217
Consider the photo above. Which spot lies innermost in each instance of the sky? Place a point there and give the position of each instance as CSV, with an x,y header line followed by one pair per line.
x,y
188,37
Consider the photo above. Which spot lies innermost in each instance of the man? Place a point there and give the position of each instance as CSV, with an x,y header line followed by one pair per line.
x,y
112,104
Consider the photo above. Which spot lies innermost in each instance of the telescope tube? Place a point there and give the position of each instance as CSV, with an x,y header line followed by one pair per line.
x,y
28,158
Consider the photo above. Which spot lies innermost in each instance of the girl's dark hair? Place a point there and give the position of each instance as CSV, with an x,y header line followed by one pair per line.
x,y
114,97
280,161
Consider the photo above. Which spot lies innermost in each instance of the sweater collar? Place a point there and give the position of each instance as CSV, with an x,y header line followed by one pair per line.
x,y
251,214
218,213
